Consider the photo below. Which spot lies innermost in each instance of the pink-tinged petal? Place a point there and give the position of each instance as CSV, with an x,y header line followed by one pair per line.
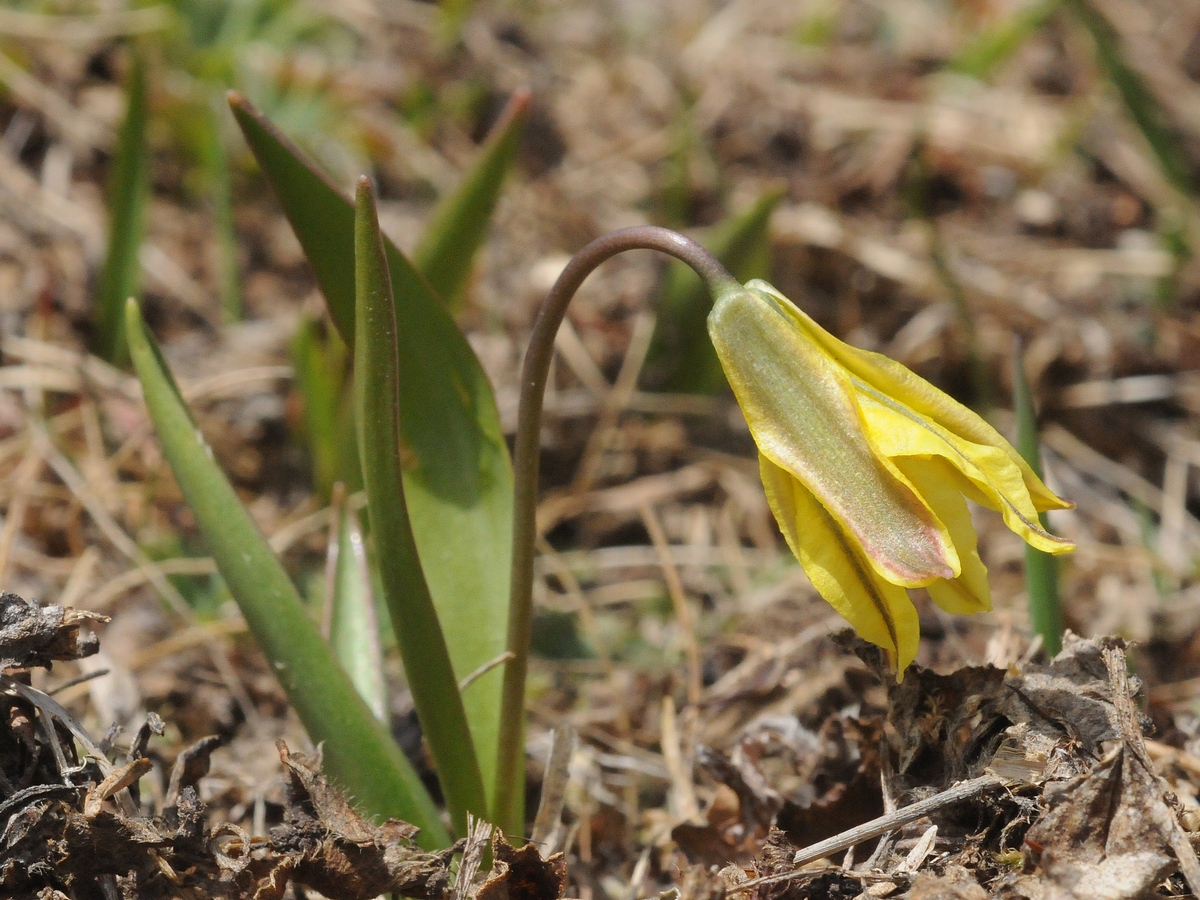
x,y
968,593
804,417
892,379
879,611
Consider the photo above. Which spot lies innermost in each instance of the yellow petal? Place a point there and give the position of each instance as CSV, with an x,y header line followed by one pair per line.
x,y
897,431
802,412
969,592
891,379
880,612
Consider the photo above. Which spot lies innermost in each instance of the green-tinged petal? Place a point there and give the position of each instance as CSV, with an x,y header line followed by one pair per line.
x,y
801,410
968,593
891,379
880,612
898,431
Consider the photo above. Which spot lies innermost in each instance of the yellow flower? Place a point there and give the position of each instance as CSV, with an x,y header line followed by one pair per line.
x,y
867,466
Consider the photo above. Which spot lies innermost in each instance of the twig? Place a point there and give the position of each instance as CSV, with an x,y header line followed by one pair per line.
x,y
903,816
471,677
554,789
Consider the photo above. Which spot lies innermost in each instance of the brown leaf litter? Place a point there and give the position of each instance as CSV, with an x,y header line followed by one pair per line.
x,y
1029,786
72,819
1035,784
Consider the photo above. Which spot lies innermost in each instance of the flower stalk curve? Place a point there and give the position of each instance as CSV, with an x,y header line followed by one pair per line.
x,y
508,808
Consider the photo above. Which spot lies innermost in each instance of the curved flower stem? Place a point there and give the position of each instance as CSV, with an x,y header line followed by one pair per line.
x,y
508,809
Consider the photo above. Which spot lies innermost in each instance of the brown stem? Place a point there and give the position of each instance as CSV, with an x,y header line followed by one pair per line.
x,y
508,809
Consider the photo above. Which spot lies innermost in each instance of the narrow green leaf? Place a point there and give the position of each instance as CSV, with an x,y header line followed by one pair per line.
x,y
1143,107
127,189
1041,569
681,355
460,223
457,475
216,163
996,44
377,392
354,632
359,753
320,360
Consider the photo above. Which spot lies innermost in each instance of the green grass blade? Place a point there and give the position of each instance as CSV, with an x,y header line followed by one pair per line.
x,y
457,475
127,189
994,45
460,223
681,354
359,753
1143,107
354,632
320,360
377,389
1041,569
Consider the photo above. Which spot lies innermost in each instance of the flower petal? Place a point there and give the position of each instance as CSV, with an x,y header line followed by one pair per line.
x,y
898,431
969,592
802,412
892,379
880,612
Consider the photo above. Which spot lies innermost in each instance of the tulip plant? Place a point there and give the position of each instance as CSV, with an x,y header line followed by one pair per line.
x,y
866,467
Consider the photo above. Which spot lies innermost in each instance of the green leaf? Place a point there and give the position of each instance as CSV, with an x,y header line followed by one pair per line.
x,y
996,44
377,391
359,752
127,189
460,223
1041,569
354,632
320,360
681,355
457,475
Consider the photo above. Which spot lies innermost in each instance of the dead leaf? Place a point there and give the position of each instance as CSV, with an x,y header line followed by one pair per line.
x,y
33,635
522,874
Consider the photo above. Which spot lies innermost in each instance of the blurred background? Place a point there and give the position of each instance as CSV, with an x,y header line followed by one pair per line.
x,y
946,182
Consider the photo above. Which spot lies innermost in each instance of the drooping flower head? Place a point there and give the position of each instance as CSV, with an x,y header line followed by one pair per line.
x,y
867,468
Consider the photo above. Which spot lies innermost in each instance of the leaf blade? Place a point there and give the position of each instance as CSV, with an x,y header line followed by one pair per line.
x,y
354,632
1041,568
457,476
359,752
127,189
423,648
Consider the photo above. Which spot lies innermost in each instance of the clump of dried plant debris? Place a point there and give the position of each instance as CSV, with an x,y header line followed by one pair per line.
x,y
73,824
1031,784
978,784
